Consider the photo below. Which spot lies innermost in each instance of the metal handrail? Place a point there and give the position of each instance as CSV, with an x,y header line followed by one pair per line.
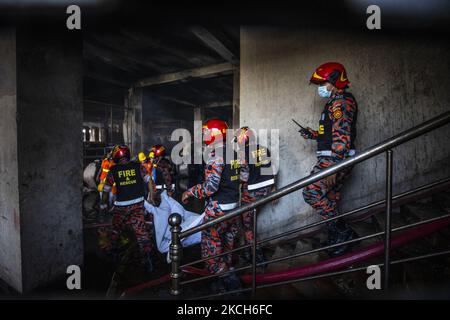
x,y
364,155
328,274
304,253
387,145
321,222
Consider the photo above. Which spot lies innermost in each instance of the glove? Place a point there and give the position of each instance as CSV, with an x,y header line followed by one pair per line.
x,y
307,133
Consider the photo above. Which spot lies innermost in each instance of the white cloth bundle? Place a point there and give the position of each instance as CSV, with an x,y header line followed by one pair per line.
x,y
162,228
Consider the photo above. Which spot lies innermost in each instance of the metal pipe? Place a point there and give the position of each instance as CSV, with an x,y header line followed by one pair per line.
x,y
351,258
330,274
390,143
175,254
327,275
387,226
404,227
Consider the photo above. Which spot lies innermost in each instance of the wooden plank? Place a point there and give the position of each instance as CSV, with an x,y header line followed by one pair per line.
x,y
202,72
215,44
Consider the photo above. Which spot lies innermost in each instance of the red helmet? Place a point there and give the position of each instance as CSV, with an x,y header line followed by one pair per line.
x,y
213,128
244,135
332,72
157,150
121,152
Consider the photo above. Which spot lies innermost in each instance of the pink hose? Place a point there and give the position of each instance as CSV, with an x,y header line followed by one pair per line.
x,y
349,258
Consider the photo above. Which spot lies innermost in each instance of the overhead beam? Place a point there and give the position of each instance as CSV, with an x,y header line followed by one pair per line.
x,y
121,51
202,72
99,77
215,44
94,53
217,104
179,101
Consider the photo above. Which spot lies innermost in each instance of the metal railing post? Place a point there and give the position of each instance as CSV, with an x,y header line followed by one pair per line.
x,y
176,251
254,254
387,227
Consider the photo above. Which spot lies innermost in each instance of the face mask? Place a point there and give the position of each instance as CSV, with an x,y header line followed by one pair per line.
x,y
323,92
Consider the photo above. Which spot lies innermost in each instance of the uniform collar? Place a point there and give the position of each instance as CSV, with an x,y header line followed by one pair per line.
x,y
337,95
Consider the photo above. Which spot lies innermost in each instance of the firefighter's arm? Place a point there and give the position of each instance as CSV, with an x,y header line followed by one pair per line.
x,y
213,173
244,172
342,118
109,182
146,177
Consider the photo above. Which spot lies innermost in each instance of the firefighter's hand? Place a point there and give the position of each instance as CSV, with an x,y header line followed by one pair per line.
x,y
185,197
330,181
308,133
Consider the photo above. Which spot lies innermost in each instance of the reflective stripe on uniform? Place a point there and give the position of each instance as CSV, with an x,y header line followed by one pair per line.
x,y
261,184
228,206
160,186
328,153
129,202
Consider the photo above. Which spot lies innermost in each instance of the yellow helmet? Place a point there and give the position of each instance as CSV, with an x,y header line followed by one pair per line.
x,y
142,156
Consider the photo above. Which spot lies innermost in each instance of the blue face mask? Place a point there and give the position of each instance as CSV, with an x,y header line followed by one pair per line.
x,y
323,92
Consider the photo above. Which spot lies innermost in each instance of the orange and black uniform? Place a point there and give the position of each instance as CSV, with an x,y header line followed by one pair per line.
x,y
164,176
221,191
335,142
128,212
258,179
105,167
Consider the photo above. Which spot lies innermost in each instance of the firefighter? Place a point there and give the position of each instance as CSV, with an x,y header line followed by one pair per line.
x,y
258,180
128,211
105,166
163,173
220,189
147,164
335,142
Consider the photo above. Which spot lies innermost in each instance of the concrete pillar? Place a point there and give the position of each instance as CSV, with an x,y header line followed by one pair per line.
x,y
236,99
198,114
10,247
136,121
40,189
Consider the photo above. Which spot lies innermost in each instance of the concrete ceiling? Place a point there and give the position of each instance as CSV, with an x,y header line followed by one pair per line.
x,y
117,60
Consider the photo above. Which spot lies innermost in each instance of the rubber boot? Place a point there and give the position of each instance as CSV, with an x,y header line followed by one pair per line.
x,y
343,233
247,255
232,282
218,285
332,233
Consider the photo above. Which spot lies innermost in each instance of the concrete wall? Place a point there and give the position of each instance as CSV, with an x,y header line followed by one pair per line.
x,y
41,158
160,118
398,80
10,253
49,81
